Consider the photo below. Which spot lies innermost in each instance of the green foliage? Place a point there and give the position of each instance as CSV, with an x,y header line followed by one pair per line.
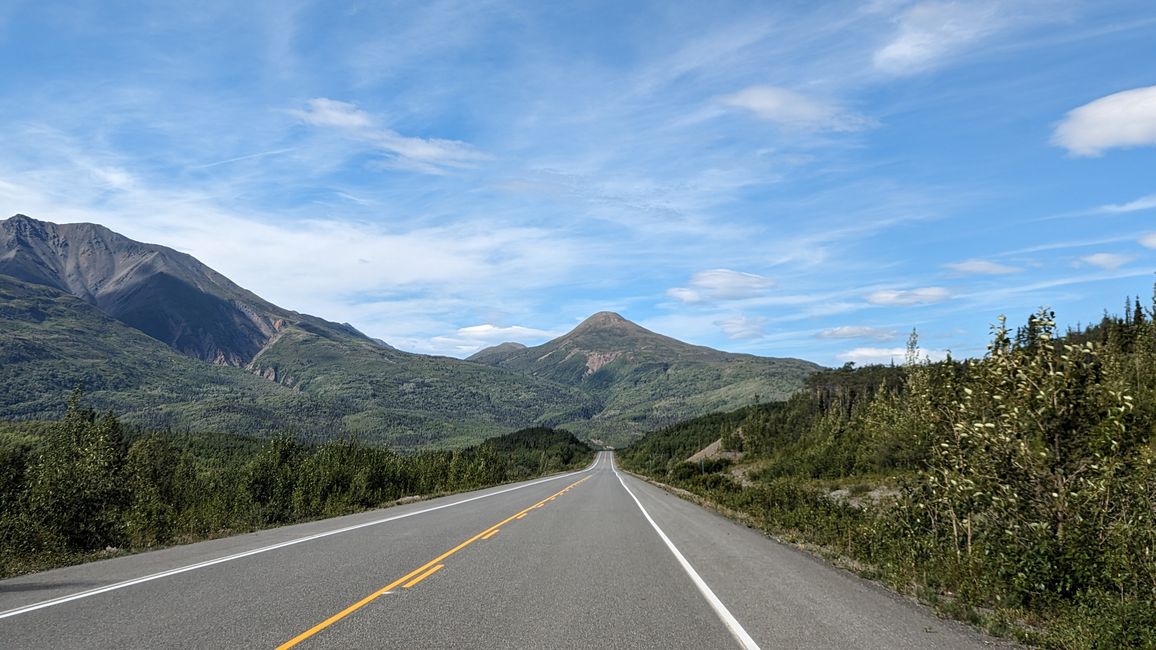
x,y
78,487
1026,480
320,379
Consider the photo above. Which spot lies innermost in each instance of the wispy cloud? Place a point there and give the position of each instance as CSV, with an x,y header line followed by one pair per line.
x,y
858,332
1149,240
790,109
722,284
467,340
921,296
982,267
252,156
743,327
562,174
323,111
1121,120
427,155
1142,203
928,33
1106,261
1064,245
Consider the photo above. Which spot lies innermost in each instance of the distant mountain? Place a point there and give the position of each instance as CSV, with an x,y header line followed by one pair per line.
x,y
495,354
79,300
163,339
166,294
644,380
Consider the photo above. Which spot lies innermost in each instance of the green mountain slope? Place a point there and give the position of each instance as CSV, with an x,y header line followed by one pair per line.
x,y
420,399
51,342
325,383
169,342
643,380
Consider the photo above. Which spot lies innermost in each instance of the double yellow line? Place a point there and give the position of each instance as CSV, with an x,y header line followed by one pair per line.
x,y
422,572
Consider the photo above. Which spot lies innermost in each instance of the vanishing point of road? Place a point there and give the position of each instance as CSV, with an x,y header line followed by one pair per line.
x,y
590,559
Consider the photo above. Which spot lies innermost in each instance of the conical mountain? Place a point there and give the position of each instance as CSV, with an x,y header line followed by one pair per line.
x,y
645,380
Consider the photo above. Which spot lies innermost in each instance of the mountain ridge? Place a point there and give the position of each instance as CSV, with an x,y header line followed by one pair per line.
x,y
608,377
162,292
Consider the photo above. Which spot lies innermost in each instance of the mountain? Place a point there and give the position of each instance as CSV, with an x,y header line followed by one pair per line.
x,y
643,380
166,294
157,336
495,354
51,342
166,341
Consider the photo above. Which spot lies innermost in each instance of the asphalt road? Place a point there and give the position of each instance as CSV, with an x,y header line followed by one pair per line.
x,y
593,559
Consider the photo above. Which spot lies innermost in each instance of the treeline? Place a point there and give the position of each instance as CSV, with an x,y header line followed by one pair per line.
x,y
1017,491
87,485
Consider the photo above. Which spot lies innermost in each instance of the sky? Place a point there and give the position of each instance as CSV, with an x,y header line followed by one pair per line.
x,y
789,178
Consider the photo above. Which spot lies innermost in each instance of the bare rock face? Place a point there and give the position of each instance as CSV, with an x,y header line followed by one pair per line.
x,y
166,294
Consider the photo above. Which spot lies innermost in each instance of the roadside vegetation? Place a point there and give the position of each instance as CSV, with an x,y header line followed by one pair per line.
x,y
1017,491
87,486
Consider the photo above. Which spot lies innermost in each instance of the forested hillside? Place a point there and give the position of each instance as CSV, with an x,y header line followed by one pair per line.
x,y
87,485
1017,491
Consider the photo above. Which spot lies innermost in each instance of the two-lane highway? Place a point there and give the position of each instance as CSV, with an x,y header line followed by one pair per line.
x,y
591,559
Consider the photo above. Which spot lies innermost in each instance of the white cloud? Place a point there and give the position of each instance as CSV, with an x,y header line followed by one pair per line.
x,y
921,296
1149,240
867,355
743,327
1142,203
930,32
496,334
331,112
1106,261
858,332
468,340
788,108
427,155
982,267
684,294
1123,119
113,177
722,284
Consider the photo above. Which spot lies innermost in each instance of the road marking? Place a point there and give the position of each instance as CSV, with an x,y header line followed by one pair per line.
x,y
413,577
728,619
521,516
423,576
265,549
491,533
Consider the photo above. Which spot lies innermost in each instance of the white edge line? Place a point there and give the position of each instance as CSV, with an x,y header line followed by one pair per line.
x,y
265,549
732,624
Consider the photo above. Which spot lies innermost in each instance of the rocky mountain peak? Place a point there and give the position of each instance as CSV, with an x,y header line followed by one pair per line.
x,y
164,293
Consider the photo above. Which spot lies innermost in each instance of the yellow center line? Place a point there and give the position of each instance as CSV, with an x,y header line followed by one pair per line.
x,y
415,576
490,534
423,576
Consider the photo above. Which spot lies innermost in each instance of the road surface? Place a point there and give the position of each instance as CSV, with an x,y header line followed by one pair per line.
x,y
591,559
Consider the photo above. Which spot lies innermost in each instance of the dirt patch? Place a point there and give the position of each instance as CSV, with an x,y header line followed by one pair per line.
x,y
714,450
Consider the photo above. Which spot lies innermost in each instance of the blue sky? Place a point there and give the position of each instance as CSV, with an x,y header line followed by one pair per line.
x,y
781,178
